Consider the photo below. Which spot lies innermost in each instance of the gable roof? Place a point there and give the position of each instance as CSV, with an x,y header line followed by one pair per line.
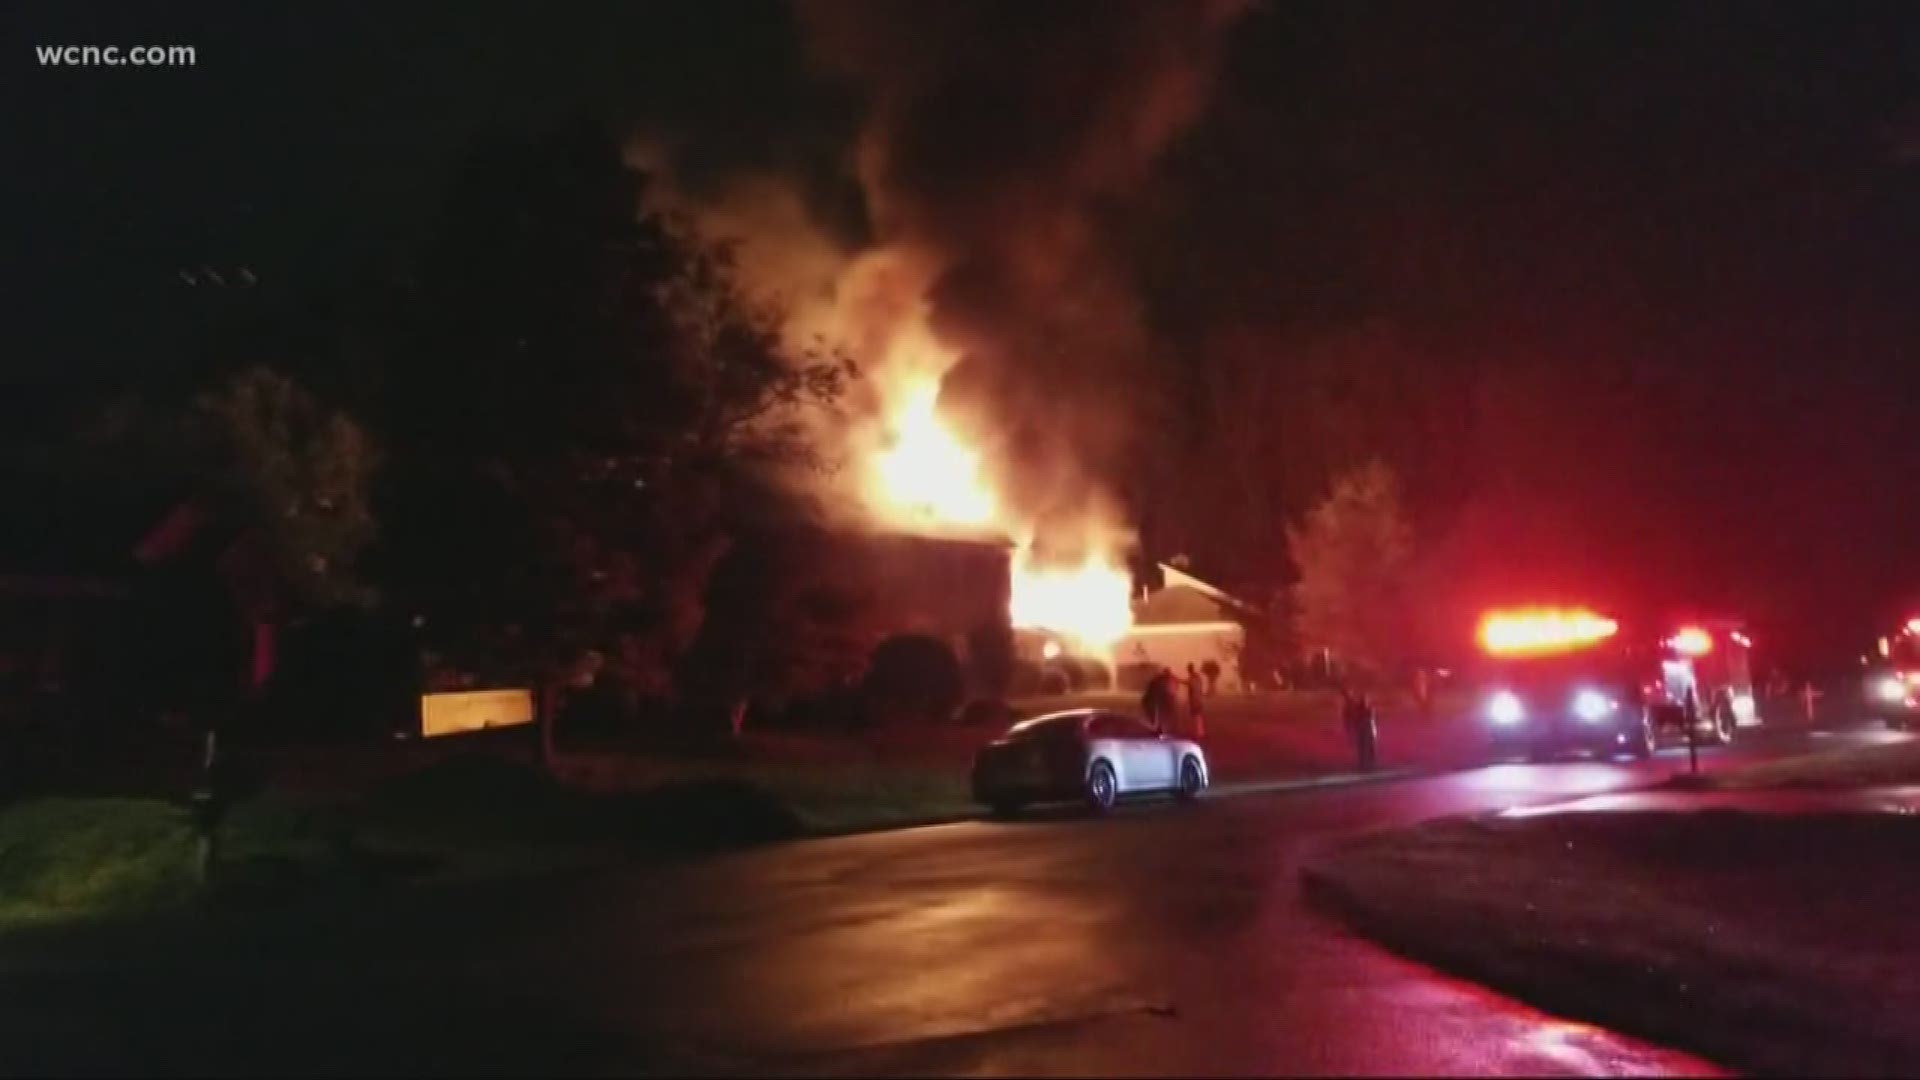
x,y
1173,576
1183,598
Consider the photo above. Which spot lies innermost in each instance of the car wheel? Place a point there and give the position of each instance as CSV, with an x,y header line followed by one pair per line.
x,y
1005,808
1102,788
1538,754
1191,780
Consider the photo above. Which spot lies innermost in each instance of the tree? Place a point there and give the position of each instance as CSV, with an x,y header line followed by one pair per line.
x,y
1354,555
783,623
300,473
1275,413
587,405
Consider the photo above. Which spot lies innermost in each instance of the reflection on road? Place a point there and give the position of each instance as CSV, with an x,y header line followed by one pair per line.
x,y
1167,940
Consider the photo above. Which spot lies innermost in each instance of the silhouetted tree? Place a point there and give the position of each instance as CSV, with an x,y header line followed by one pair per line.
x,y
1274,415
301,473
584,402
783,623
1353,554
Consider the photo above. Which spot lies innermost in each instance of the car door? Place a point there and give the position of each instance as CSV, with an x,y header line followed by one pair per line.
x,y
1107,739
1149,758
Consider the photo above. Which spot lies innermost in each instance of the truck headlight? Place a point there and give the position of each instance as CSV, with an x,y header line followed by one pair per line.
x,y
1891,689
1505,708
1591,705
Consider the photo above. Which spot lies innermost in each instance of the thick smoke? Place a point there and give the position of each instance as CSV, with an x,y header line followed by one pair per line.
x,y
1006,138
1000,145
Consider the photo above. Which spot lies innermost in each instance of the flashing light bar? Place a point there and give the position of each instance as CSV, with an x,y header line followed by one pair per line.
x,y
1691,641
1531,631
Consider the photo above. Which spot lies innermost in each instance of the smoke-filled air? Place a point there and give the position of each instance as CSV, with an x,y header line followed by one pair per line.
x,y
1001,349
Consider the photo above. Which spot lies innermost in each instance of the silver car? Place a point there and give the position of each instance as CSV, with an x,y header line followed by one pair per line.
x,y
1088,754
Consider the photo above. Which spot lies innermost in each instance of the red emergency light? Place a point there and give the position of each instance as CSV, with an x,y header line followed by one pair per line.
x,y
1532,631
1913,625
1691,641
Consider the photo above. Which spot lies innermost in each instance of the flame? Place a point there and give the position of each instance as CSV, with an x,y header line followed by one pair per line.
x,y
1089,603
927,473
925,476
912,472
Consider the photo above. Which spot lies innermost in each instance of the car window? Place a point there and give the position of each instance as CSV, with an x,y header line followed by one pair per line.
x,y
1119,726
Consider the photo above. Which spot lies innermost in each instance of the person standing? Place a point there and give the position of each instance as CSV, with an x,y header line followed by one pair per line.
x,y
1362,725
1157,700
1196,703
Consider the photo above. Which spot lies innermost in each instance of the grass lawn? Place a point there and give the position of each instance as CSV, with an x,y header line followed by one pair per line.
x,y
829,786
60,857
1775,944
464,815
77,858
350,819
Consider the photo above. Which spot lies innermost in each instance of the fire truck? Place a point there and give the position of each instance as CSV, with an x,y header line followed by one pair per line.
x,y
1559,680
1893,677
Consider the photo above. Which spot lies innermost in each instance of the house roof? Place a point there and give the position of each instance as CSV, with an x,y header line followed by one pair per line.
x,y
1174,576
1184,598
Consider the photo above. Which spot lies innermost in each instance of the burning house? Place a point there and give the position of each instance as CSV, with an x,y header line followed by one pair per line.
x,y
1004,356
955,590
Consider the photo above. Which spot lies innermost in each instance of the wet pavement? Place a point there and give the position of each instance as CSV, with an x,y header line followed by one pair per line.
x,y
1165,940
1812,800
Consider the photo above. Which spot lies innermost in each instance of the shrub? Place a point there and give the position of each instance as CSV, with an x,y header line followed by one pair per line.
x,y
986,712
915,677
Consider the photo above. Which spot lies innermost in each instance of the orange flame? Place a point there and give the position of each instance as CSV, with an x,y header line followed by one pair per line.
x,y
927,473
1089,603
911,471
926,477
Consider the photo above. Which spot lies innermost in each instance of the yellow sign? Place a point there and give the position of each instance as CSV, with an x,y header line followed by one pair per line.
x,y
473,710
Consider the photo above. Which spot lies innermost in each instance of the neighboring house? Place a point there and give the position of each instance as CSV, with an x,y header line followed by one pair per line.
x,y
56,630
953,589
1185,621
77,629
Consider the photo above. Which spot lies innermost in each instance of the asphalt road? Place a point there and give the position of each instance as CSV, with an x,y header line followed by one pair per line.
x,y
1164,940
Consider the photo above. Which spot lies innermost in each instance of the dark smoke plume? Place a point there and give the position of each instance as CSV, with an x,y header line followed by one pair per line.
x,y
1006,138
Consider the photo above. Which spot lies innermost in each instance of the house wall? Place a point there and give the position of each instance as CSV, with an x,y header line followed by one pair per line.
x,y
1175,645
953,589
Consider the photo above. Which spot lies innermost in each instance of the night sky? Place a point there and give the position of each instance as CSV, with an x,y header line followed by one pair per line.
x,y
1665,253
